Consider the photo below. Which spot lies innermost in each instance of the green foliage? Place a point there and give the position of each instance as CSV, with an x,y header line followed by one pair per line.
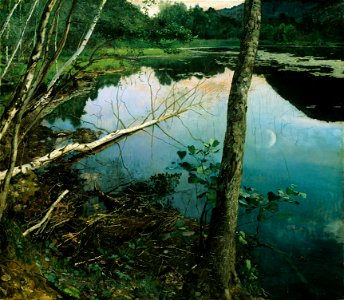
x,y
72,292
251,201
202,168
164,184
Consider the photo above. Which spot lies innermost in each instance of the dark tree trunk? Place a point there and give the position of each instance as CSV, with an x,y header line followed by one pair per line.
x,y
220,256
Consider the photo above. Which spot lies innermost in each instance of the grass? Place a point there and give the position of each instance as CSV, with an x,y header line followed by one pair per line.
x,y
222,43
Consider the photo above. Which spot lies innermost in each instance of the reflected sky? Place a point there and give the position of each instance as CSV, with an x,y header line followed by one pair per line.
x,y
283,147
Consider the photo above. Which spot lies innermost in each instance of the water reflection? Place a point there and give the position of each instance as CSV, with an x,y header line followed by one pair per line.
x,y
283,146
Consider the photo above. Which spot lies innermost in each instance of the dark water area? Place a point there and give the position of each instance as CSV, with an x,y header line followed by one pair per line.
x,y
334,52
318,97
289,140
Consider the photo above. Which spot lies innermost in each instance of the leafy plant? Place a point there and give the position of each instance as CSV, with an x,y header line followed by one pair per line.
x,y
250,200
202,168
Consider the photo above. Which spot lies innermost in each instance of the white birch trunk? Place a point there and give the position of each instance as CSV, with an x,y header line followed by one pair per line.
x,y
86,147
9,62
8,19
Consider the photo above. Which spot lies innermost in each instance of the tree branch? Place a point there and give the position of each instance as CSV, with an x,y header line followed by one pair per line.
x,y
47,215
9,18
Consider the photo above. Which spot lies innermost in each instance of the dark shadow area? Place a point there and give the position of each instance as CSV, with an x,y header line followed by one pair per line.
x,y
316,272
318,97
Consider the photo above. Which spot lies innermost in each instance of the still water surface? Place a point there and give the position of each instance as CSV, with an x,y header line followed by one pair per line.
x,y
283,146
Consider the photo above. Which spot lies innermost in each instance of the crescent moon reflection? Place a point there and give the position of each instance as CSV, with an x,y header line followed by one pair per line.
x,y
271,138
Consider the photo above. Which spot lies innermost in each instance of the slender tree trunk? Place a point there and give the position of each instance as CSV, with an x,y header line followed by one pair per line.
x,y
13,114
21,94
9,16
221,242
20,41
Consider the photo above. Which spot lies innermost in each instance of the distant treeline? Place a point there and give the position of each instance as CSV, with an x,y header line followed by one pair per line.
x,y
122,20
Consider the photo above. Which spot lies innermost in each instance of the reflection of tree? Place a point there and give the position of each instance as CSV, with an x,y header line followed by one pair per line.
x,y
175,70
104,81
71,110
318,97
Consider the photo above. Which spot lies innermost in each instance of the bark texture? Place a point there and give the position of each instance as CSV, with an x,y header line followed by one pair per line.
x,y
221,242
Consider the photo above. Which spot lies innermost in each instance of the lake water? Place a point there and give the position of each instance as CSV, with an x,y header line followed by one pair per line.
x,y
283,146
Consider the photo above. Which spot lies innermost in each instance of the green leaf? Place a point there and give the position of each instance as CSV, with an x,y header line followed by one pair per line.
x,y
272,196
303,195
122,275
243,202
187,166
214,143
248,264
194,179
200,170
199,196
212,195
180,223
181,154
72,291
192,149
260,217
52,278
242,238
289,191
244,194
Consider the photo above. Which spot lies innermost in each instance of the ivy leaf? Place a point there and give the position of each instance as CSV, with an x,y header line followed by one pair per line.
x,y
181,154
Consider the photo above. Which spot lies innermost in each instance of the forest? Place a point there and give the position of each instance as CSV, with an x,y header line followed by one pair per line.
x,y
128,139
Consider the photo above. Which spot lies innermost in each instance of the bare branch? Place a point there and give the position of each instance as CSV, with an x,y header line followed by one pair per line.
x,y
8,64
47,215
9,18
81,47
20,98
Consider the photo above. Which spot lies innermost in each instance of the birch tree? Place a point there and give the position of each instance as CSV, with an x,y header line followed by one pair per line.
x,y
37,70
29,103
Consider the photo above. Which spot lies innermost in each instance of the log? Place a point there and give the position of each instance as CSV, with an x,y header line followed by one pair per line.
x,y
61,152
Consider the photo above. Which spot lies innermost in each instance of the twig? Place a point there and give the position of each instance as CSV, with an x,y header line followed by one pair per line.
x,y
89,260
47,215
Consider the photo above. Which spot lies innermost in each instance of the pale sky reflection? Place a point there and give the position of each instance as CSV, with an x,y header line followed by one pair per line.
x,y
205,4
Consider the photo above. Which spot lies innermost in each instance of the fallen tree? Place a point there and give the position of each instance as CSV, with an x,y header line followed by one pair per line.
x,y
61,152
